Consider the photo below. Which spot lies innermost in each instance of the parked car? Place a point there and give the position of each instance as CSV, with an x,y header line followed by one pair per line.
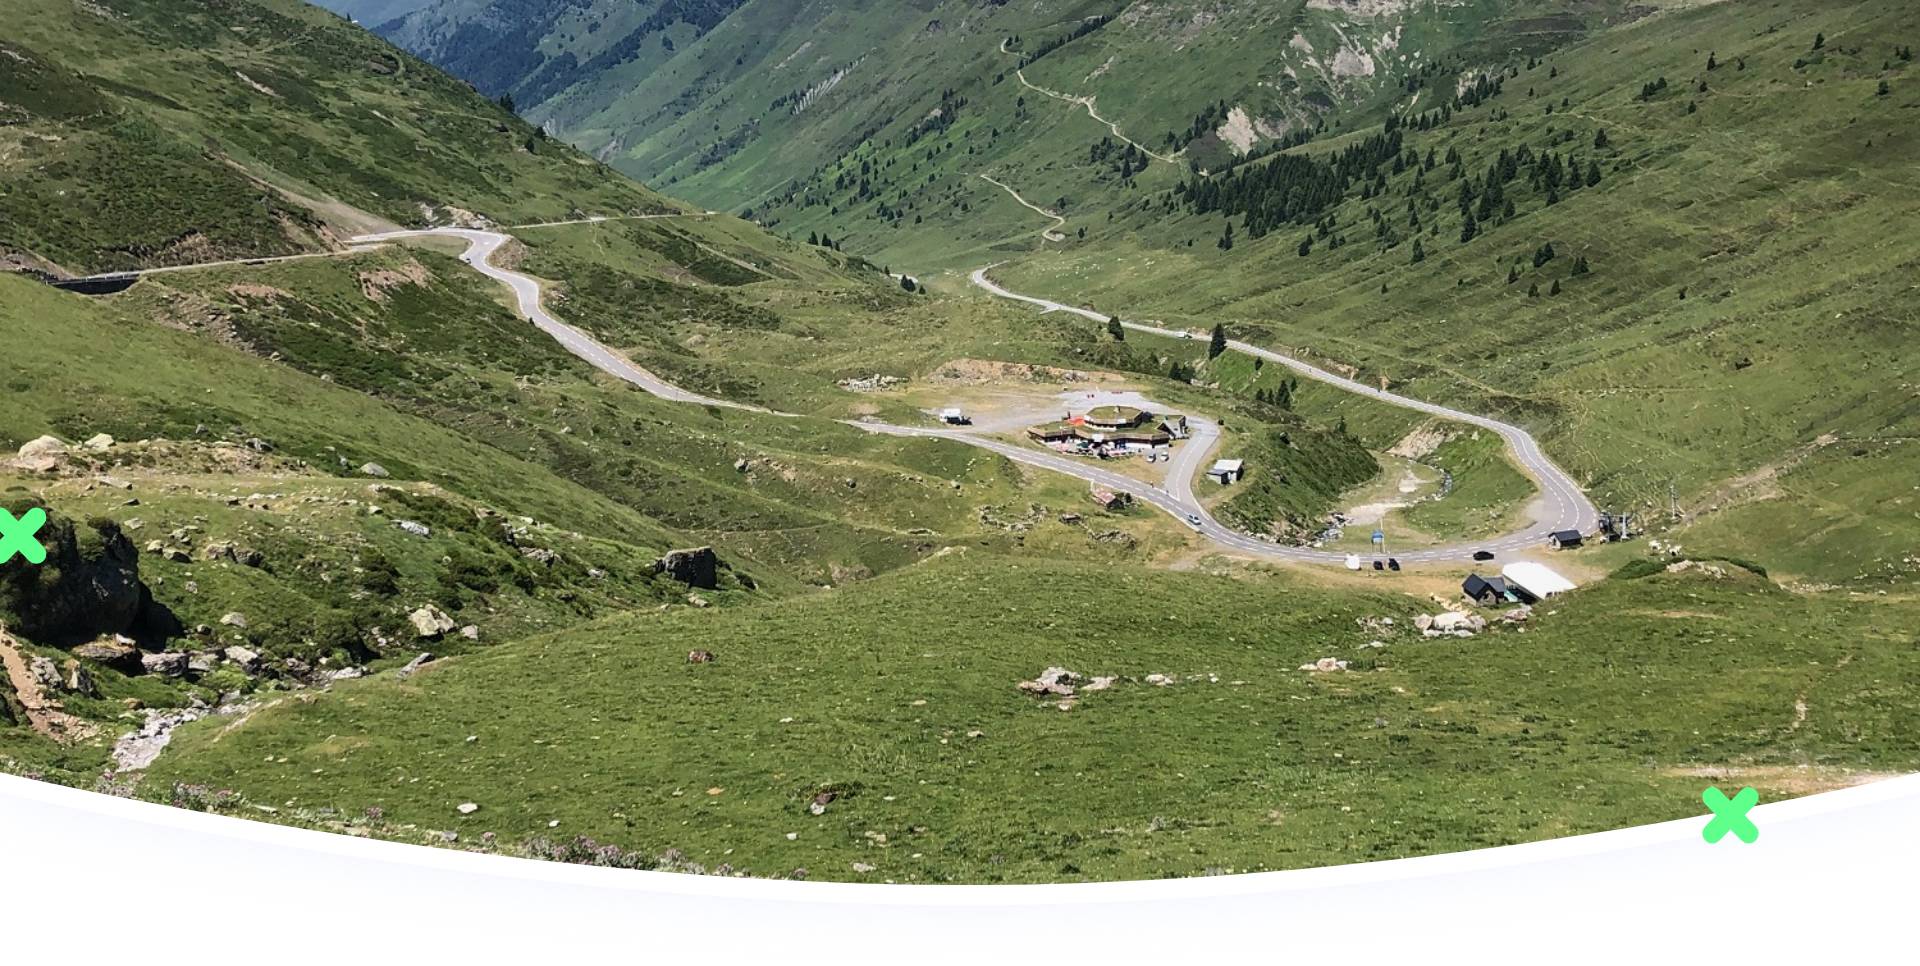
x,y
1193,520
1483,555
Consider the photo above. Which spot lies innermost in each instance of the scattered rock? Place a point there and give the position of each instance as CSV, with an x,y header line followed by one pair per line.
x,y
170,664
466,808
419,661
862,867
374,470
1518,615
80,680
202,662
417,529
471,632
698,567
45,673
41,455
137,749
1324,665
1158,680
98,444
1451,623
234,619
113,652
820,802
1053,680
247,658
700,657
1711,571
431,623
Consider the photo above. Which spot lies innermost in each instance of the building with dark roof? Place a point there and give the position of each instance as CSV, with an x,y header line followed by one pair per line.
x,y
1487,591
1565,539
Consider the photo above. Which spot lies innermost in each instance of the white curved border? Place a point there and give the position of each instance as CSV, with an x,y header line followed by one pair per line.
x,y
1828,874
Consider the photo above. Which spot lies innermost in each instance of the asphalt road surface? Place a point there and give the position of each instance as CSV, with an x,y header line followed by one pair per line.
x,y
1562,506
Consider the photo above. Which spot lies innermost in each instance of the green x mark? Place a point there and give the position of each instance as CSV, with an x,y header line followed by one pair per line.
x,y
16,536
1730,815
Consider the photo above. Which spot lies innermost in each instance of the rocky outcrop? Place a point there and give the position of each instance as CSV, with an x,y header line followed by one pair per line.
x,y
431,623
115,652
88,586
170,664
699,567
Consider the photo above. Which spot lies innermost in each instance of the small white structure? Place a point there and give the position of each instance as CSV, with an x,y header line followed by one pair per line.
x,y
953,416
1535,580
1226,471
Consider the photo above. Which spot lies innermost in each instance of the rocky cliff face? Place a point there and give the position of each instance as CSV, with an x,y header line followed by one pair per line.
x,y
89,586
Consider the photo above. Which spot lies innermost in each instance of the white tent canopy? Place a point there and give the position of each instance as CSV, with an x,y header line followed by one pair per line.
x,y
1536,579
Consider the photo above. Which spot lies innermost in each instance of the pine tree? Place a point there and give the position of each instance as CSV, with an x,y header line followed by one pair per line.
x,y
1419,252
506,103
1306,246
1819,41
1543,255
1218,344
1117,331
1468,228
1555,290
1580,265
813,238
1533,291
1711,62
1600,138
1593,174
907,283
1884,89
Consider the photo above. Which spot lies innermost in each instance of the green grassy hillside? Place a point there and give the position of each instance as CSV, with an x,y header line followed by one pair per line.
x,y
1695,290
823,114
897,702
140,133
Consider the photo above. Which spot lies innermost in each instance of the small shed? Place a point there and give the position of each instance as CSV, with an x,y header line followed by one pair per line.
x,y
954,416
1565,539
1226,471
1486,591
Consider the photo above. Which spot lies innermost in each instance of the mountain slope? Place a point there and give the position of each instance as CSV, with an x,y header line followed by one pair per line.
x,y
141,134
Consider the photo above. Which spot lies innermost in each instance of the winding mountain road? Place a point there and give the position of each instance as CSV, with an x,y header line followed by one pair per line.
x,y
1561,506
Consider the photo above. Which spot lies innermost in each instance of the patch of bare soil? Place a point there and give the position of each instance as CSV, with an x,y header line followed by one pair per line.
x,y
1759,484
974,372
44,714
251,291
1787,780
1420,443
376,284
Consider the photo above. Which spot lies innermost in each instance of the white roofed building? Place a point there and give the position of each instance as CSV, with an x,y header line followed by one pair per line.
x,y
1537,581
